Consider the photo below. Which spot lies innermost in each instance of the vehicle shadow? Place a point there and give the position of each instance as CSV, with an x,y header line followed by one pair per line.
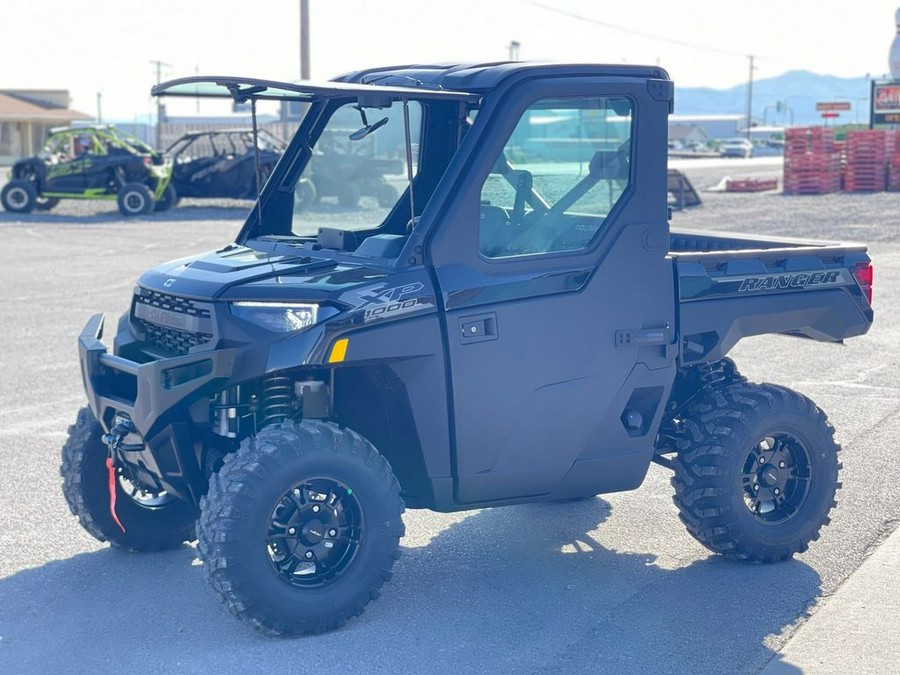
x,y
522,589
104,214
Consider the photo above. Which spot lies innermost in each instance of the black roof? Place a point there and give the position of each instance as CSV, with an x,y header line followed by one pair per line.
x,y
449,81
481,77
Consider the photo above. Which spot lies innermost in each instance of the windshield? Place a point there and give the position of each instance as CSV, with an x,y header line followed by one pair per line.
x,y
358,169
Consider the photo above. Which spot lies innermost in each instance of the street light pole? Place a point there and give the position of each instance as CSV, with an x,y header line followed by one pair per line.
x,y
750,96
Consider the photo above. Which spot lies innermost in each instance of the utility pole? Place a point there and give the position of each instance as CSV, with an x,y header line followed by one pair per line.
x,y
304,39
99,109
750,96
159,106
304,68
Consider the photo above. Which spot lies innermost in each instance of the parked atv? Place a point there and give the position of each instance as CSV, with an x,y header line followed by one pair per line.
x,y
222,163
520,325
336,170
96,162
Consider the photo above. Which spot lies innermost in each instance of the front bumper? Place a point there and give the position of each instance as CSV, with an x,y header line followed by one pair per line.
x,y
143,391
156,396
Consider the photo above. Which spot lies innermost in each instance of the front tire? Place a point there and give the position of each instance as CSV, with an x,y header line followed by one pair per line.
x,y
300,528
757,471
153,522
19,196
135,199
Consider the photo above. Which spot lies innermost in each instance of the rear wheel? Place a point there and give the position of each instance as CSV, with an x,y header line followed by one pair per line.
x,y
135,199
757,472
348,194
153,520
168,200
300,528
386,195
46,203
304,194
19,196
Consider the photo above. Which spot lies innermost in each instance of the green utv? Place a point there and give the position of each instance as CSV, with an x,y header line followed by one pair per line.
x,y
95,162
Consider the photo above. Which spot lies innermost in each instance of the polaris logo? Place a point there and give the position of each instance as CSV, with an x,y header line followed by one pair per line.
x,y
788,281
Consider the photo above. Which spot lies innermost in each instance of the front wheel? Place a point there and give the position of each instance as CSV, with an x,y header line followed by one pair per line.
x,y
19,196
135,199
300,528
757,471
153,520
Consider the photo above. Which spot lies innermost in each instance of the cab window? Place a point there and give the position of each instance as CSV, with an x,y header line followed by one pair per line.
x,y
561,172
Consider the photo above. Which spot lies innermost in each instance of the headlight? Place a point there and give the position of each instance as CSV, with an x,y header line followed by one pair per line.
x,y
281,317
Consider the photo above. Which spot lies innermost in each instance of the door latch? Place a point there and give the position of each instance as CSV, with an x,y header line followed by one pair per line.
x,y
643,337
478,328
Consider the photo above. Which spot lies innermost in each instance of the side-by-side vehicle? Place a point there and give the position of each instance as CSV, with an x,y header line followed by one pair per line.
x,y
517,323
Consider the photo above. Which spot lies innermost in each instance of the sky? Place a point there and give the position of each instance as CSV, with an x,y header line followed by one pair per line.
x,y
106,46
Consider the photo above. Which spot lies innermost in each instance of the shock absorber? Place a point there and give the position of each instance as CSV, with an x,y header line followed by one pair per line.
x,y
277,399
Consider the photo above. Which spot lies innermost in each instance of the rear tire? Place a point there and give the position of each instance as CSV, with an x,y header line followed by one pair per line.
x,y
348,194
757,471
151,524
46,203
168,200
304,195
135,199
19,196
300,528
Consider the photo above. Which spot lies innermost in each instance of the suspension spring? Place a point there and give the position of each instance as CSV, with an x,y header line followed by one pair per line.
x,y
277,399
717,373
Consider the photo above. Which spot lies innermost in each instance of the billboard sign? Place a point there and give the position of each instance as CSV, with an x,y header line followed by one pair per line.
x,y
886,103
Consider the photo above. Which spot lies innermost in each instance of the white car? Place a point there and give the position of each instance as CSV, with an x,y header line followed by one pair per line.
x,y
736,147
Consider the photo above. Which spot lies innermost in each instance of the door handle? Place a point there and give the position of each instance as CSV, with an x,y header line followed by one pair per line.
x,y
478,328
643,337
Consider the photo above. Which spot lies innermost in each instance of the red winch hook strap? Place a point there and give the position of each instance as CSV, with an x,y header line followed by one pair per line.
x,y
111,468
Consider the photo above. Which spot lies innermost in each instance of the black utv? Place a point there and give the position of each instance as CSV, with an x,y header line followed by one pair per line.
x,y
96,162
222,163
520,325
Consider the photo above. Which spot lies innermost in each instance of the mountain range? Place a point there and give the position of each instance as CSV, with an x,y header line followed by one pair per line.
x,y
796,90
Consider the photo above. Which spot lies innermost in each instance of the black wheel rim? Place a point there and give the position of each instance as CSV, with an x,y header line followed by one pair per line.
x,y
776,478
315,532
142,495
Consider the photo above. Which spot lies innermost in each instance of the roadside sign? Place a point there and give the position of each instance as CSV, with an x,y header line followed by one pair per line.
x,y
885,103
830,115
832,106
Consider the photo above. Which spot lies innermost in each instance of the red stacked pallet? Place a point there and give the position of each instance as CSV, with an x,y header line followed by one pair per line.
x,y
892,147
893,183
811,163
866,153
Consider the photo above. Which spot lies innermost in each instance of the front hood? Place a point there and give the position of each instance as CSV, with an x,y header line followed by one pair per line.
x,y
241,273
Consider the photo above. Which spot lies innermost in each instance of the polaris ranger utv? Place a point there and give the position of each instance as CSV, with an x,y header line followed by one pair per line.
x,y
519,326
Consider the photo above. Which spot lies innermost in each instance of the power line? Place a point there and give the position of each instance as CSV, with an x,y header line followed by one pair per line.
x,y
630,31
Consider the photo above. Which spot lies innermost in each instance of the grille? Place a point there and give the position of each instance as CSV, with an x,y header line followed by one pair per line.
x,y
165,309
170,302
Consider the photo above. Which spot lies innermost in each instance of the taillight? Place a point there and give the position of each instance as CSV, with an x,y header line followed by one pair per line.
x,y
147,161
864,275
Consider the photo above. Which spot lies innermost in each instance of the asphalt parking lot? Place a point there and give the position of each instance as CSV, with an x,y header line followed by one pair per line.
x,y
614,584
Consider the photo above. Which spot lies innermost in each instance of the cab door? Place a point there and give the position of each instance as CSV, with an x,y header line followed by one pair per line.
x,y
557,293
